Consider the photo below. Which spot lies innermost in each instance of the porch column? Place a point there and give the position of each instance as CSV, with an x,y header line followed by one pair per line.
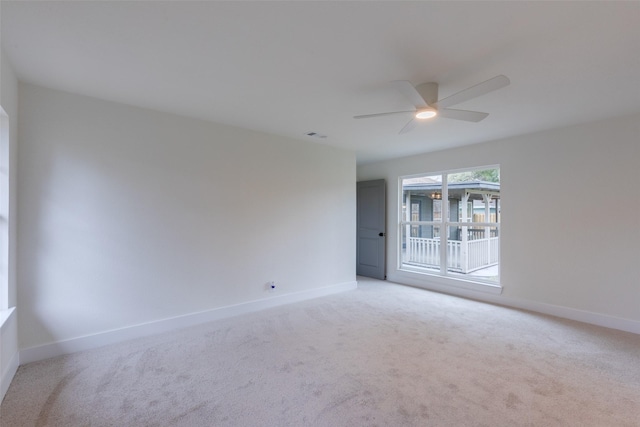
x,y
407,229
464,235
487,218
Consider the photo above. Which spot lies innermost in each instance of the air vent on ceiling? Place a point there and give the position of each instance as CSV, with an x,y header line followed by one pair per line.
x,y
316,135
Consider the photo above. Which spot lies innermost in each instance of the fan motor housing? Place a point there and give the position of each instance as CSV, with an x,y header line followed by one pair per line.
x,y
428,92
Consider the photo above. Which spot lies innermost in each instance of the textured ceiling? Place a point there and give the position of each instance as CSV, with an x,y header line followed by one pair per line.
x,y
288,68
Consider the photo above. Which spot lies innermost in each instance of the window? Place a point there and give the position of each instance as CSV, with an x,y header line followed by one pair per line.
x,y
467,225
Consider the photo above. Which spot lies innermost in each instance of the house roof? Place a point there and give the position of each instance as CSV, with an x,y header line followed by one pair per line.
x,y
290,68
455,189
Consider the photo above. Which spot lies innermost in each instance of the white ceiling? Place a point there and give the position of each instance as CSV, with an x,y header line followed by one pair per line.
x,y
288,68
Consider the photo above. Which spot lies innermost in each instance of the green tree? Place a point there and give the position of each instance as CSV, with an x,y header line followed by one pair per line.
x,y
489,175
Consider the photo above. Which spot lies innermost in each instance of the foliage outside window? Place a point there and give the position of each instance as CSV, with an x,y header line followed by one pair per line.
x,y
467,224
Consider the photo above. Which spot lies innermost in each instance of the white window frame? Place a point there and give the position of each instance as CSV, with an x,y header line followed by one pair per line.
x,y
443,276
4,212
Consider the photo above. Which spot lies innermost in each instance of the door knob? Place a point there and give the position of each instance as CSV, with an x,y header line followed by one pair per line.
x,y
381,234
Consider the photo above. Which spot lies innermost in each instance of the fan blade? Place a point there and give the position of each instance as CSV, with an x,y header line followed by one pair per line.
x,y
409,126
410,92
467,116
474,91
366,116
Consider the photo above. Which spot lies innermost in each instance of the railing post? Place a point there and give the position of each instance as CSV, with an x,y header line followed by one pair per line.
x,y
407,229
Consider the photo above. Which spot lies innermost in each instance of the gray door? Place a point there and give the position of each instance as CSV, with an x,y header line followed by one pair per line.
x,y
371,235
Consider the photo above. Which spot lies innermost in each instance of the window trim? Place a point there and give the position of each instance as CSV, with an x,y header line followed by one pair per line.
x,y
4,214
443,277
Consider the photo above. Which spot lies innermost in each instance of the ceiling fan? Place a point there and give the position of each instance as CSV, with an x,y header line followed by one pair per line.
x,y
425,99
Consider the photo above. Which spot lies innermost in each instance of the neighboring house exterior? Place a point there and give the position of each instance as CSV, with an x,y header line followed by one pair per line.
x,y
470,248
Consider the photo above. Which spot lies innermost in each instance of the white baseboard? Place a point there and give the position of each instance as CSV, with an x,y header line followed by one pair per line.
x,y
8,375
598,319
583,316
46,351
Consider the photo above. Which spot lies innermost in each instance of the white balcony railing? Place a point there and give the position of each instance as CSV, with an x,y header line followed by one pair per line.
x,y
477,254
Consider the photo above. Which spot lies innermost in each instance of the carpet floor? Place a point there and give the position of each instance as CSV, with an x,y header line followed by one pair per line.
x,y
381,355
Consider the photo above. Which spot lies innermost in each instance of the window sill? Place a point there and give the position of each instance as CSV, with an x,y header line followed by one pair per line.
x,y
5,315
444,283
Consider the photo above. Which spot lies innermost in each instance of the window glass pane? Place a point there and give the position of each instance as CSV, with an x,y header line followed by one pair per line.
x,y
421,246
424,197
477,195
472,249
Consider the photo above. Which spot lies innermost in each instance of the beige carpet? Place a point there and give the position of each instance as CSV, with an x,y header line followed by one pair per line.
x,y
382,355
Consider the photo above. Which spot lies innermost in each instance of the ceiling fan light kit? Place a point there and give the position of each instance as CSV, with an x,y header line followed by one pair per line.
x,y
426,113
424,97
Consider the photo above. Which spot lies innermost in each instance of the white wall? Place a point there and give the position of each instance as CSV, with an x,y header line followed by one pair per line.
x,y
130,216
570,240
8,328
